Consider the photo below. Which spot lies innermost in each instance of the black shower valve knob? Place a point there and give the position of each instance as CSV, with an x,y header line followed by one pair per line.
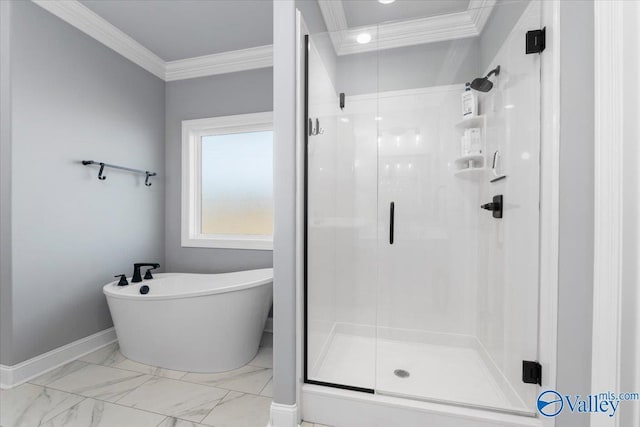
x,y
495,206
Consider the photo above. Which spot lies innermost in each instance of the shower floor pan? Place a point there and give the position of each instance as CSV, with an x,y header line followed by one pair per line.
x,y
415,364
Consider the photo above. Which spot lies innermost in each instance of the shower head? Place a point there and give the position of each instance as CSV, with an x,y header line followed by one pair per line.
x,y
483,84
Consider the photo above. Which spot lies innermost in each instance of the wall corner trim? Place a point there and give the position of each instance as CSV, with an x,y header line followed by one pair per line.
x,y
283,415
550,199
11,376
608,204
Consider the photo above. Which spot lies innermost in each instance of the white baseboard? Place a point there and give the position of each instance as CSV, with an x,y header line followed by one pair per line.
x,y
283,415
11,376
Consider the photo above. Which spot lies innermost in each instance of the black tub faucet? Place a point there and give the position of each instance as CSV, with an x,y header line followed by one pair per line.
x,y
136,270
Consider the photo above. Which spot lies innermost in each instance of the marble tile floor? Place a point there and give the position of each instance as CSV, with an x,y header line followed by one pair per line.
x,y
104,389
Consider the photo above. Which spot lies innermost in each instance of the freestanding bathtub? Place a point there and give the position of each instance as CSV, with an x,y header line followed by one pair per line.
x,y
192,322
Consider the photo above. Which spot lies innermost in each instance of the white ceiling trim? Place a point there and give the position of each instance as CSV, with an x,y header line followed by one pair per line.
x,y
479,10
220,63
335,20
408,33
87,21
404,33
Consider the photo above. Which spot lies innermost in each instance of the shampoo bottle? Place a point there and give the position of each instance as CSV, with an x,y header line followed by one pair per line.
x,y
469,103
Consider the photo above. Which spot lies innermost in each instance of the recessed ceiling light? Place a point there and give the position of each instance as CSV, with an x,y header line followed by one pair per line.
x,y
363,38
386,1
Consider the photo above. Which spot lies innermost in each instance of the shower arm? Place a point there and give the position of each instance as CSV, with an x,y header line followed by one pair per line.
x,y
495,71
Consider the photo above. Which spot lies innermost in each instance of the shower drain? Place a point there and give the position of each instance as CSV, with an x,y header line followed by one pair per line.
x,y
401,373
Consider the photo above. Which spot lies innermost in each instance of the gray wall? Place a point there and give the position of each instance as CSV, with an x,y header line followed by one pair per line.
x,y
432,64
498,26
425,65
312,15
220,95
314,21
72,99
284,167
392,69
630,320
575,298
5,185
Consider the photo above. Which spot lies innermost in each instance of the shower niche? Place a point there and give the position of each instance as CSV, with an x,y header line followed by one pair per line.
x,y
411,289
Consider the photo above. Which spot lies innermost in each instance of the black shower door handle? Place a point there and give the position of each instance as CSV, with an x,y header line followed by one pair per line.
x,y
392,208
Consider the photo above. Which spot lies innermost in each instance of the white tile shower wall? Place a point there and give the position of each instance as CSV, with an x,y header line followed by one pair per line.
x,y
431,282
508,276
356,215
426,280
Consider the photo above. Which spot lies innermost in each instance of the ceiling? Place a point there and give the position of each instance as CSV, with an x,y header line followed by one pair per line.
x,y
176,30
368,12
180,29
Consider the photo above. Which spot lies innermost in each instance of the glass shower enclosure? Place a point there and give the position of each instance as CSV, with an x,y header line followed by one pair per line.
x,y
421,224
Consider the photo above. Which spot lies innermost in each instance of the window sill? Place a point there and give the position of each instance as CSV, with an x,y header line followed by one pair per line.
x,y
247,243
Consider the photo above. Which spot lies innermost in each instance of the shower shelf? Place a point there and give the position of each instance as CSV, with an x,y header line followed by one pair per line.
x,y
462,162
473,122
474,174
478,161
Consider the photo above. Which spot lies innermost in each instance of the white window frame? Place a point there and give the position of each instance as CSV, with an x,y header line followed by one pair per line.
x,y
192,132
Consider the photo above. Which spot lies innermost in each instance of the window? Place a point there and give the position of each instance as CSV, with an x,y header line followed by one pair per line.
x,y
227,182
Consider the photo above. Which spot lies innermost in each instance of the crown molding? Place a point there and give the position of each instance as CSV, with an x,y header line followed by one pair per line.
x,y
78,15
479,11
90,23
409,33
469,23
335,20
220,63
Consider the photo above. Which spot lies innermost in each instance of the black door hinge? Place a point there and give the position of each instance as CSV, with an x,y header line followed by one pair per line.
x,y
536,41
342,100
531,372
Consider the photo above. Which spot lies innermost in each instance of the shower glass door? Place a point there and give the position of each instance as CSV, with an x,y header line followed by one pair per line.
x,y
411,288
457,289
341,228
